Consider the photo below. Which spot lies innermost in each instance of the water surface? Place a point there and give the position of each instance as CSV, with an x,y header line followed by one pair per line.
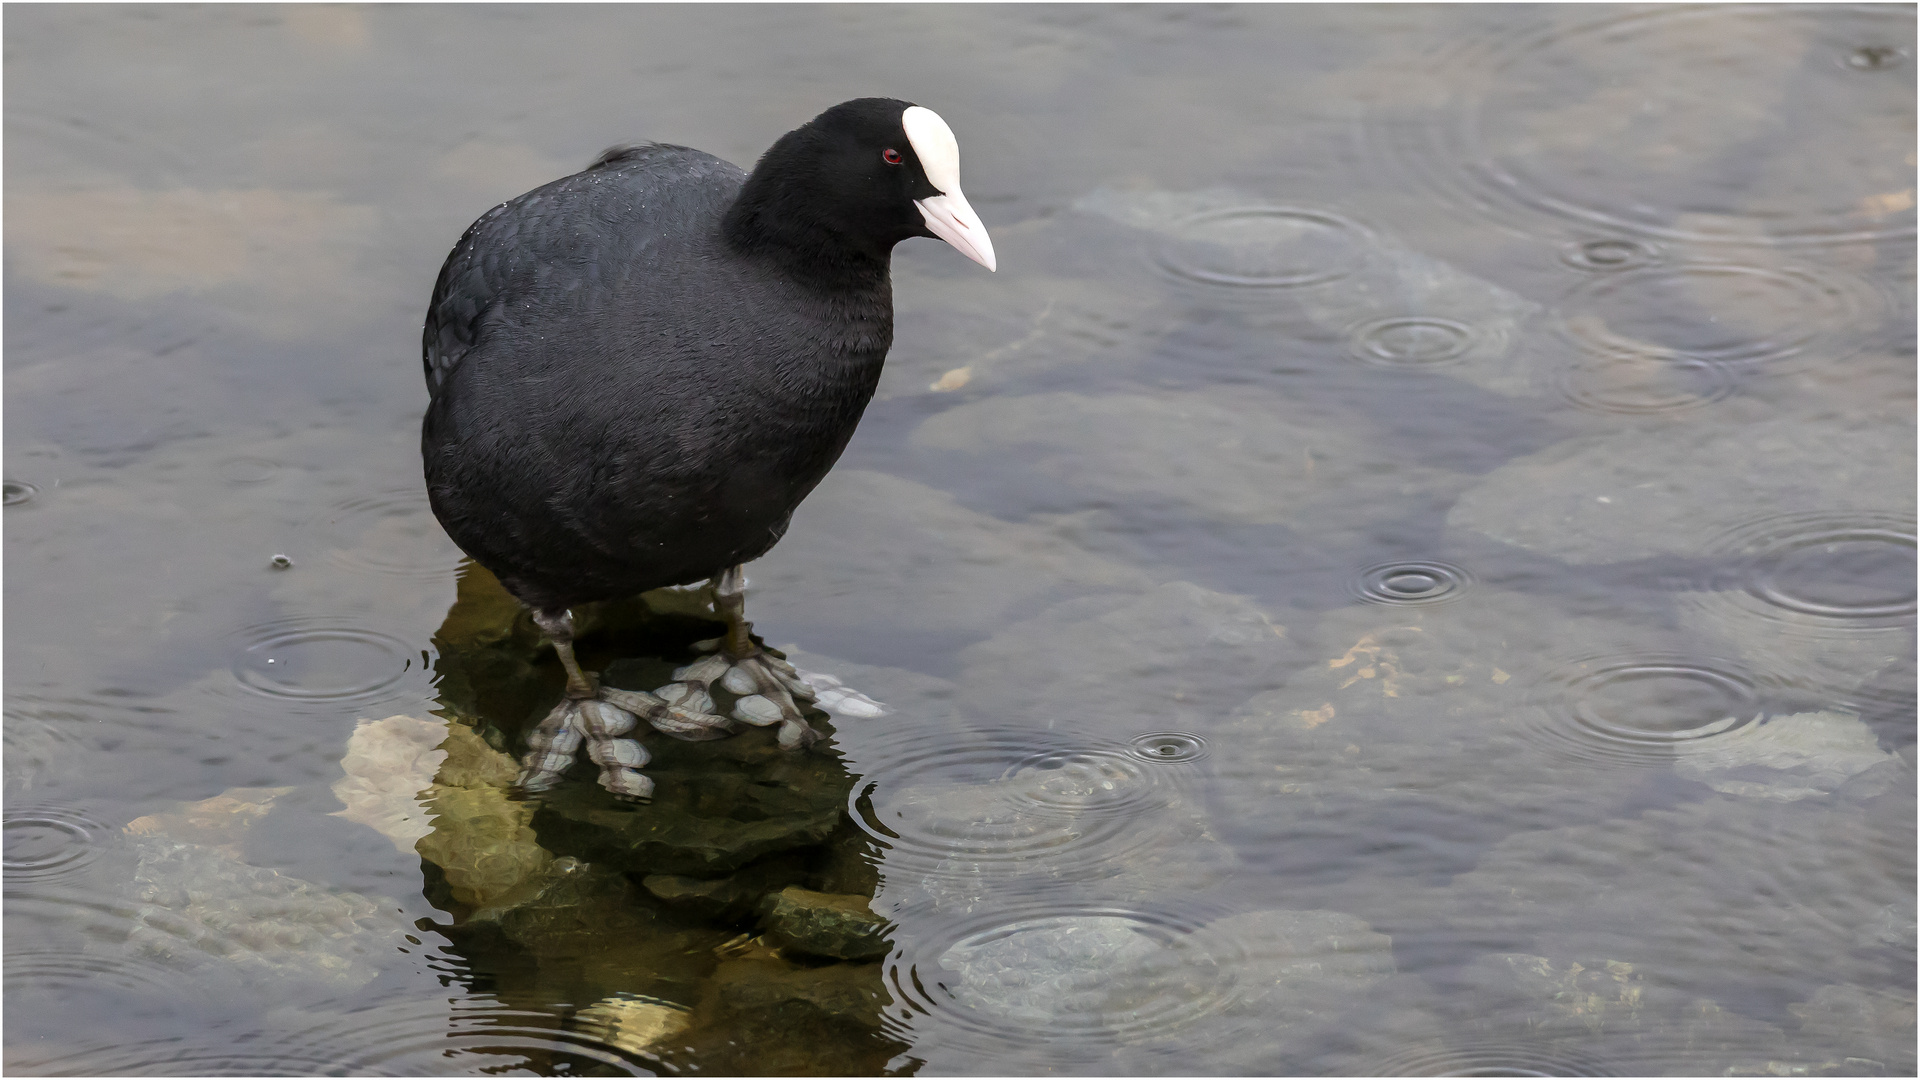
x,y
1408,568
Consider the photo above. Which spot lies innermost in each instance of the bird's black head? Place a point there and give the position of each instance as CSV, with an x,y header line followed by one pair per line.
x,y
854,181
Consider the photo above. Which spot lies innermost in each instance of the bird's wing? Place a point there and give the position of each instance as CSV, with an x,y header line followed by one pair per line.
x,y
520,248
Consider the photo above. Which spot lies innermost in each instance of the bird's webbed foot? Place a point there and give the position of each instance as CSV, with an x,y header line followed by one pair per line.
x,y
768,690
598,725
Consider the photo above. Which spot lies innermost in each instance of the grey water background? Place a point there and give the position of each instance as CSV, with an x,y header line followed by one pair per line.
x,y
1407,568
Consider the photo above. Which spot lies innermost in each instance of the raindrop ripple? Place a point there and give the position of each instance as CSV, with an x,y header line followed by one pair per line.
x,y
1637,709
1065,977
318,662
1723,313
998,801
1264,247
1611,253
389,532
1489,1059
1168,747
1404,583
42,841
1532,148
1816,570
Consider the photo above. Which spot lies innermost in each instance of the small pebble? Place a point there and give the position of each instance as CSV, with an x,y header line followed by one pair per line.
x,y
281,562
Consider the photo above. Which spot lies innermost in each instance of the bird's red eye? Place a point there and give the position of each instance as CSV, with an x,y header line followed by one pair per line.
x,y
890,156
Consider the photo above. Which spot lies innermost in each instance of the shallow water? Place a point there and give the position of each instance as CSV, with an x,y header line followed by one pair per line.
x,y
1408,568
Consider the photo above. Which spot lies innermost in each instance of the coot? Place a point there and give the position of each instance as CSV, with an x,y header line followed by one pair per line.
x,y
638,371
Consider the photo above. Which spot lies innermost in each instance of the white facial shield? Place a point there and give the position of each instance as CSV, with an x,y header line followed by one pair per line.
x,y
947,214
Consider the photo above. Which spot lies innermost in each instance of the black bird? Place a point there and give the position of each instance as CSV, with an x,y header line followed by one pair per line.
x,y
638,371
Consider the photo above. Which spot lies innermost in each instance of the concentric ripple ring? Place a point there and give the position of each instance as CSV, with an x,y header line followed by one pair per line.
x,y
1489,1059
319,662
1417,582
1168,747
1089,976
1638,709
992,805
45,840
1264,247
1832,570
1525,138
1411,341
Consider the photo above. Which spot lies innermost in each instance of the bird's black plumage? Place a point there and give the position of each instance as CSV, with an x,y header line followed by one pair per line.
x,y
638,371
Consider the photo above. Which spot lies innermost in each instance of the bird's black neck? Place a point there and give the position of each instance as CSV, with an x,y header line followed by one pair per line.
x,y
779,216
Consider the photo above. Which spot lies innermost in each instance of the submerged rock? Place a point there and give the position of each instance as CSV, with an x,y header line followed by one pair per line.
x,y
872,554
834,925
1607,1011
1715,899
1054,973
729,898
1244,455
388,764
1443,726
221,822
1789,757
768,1017
1136,995
1558,996
633,1024
1672,489
844,993
239,927
1870,1030
1177,658
482,841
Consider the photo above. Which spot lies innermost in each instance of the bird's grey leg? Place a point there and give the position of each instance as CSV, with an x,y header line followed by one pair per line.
x,y
551,746
558,626
767,685
584,715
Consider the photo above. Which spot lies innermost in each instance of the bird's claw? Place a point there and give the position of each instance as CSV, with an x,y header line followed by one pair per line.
x,y
597,724
769,692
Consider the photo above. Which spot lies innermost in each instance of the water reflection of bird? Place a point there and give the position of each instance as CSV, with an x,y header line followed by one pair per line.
x,y
638,371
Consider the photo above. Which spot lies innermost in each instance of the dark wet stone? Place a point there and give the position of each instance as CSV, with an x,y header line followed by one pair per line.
x,y
703,820
852,993
768,1017
837,925
717,806
726,898
573,908
598,900
852,863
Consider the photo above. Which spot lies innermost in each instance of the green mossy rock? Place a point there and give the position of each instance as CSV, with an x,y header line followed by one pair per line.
x,y
838,925
481,840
